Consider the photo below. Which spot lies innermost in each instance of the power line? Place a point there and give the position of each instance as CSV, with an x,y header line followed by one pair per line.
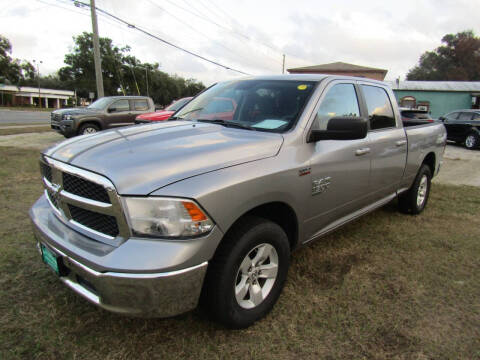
x,y
197,32
132,26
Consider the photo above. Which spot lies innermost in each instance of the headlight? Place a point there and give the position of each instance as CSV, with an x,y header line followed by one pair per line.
x,y
166,217
67,117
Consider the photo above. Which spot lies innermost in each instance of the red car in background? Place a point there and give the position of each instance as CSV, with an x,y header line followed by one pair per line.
x,y
162,114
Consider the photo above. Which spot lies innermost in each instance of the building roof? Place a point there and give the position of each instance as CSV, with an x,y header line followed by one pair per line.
x,y
337,66
28,89
467,86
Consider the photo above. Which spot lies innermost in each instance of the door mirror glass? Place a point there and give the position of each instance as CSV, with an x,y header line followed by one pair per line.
x,y
341,128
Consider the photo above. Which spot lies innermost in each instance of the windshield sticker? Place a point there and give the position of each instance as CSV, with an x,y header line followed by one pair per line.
x,y
270,124
302,87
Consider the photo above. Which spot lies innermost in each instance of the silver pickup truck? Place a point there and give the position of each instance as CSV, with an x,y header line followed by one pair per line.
x,y
207,207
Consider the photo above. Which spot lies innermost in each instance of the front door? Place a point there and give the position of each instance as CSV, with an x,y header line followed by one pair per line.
x,y
340,169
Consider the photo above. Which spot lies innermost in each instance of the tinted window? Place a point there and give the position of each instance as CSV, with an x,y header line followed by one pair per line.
x,y
120,105
465,116
380,112
476,116
451,116
340,100
141,105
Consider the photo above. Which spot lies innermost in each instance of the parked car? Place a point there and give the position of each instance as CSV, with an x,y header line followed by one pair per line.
x,y
463,127
105,113
162,114
146,221
415,116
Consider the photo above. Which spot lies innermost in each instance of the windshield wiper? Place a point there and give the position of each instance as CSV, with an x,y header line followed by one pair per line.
x,y
227,123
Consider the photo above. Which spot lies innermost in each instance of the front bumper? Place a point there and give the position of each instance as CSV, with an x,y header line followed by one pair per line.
x,y
152,278
64,127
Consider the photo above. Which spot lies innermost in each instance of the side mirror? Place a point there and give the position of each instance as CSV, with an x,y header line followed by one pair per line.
x,y
441,118
341,128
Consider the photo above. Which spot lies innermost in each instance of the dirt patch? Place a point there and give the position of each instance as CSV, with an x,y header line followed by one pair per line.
x,y
38,141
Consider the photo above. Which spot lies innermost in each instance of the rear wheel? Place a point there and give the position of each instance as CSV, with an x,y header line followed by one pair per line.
x,y
472,141
247,274
88,128
415,199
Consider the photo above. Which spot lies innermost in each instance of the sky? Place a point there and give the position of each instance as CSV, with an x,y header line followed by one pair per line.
x,y
246,35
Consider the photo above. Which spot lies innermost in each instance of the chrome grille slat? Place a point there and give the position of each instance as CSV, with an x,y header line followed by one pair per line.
x,y
92,206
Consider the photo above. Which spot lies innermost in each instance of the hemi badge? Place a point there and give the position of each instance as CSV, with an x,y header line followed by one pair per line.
x,y
304,171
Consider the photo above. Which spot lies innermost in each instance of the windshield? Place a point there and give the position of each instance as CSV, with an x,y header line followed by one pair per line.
x,y
99,104
267,105
178,104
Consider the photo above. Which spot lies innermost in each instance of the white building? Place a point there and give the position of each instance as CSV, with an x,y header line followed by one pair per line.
x,y
25,95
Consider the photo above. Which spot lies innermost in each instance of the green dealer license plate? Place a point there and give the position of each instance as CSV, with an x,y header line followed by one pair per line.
x,y
49,258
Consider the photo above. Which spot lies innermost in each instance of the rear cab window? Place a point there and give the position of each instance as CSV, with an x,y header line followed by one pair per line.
x,y
380,111
140,105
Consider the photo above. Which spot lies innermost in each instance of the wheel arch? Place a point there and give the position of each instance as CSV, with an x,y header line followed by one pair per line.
x,y
278,212
430,161
89,121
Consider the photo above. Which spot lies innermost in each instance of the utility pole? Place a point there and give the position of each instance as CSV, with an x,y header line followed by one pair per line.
x,y
146,79
38,79
96,51
283,64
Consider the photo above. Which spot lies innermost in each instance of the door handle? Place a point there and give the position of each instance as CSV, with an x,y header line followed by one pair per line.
x,y
363,151
401,142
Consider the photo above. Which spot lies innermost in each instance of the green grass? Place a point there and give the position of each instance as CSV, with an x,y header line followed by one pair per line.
x,y
388,286
24,130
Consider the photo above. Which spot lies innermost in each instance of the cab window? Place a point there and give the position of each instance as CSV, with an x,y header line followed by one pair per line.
x,y
380,111
119,106
465,116
140,105
340,100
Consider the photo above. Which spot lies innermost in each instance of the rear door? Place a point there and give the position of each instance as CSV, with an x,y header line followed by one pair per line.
x,y
138,106
118,114
388,141
339,169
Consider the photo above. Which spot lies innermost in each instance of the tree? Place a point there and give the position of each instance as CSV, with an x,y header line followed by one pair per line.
x,y
457,60
122,73
13,70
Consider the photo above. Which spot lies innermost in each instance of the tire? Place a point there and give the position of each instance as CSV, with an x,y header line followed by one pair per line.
x,y
234,267
415,199
472,140
88,128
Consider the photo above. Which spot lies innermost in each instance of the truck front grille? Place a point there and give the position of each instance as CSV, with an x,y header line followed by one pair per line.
x,y
87,189
85,201
102,223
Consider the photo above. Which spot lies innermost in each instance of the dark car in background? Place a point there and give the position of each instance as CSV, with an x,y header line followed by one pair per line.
x,y
415,116
463,127
105,113
164,114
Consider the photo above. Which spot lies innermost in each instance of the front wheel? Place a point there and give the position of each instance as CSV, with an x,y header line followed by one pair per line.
x,y
415,199
472,141
88,128
247,274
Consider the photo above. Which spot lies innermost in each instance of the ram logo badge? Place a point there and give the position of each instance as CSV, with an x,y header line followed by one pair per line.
x,y
320,185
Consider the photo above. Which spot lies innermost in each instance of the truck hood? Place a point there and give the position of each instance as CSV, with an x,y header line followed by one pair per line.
x,y
76,111
141,159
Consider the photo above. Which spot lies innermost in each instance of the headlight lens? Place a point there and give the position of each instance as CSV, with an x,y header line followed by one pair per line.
x,y
67,117
166,217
